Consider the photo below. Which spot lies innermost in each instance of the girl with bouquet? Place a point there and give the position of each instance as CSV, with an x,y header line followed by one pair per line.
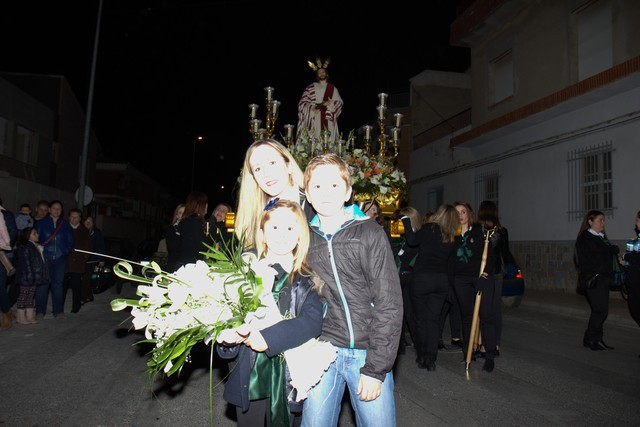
x,y
261,385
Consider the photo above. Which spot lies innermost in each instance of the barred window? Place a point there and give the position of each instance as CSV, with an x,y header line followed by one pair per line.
x,y
487,187
590,180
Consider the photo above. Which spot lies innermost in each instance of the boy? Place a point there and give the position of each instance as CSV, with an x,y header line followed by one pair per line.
x,y
352,254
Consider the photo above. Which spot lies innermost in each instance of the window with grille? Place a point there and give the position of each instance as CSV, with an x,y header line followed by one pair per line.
x,y
487,187
590,180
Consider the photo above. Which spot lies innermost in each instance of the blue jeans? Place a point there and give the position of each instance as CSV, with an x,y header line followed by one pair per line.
x,y
56,274
322,406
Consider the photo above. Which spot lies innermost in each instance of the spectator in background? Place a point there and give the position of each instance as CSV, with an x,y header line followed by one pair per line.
x,y
217,228
42,210
31,271
57,238
24,218
76,261
5,301
97,246
172,239
193,228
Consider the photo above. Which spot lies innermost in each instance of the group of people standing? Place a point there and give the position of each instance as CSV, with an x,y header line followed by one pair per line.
x,y
448,261
43,253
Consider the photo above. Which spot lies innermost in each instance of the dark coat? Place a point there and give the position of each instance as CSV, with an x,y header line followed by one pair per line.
x,y
31,268
192,238
307,323
364,298
62,244
595,255
472,245
76,262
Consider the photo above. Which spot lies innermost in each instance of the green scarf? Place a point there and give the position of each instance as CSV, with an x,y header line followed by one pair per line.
x,y
268,376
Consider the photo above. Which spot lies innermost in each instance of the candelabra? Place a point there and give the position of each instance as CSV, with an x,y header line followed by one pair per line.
x,y
272,107
384,140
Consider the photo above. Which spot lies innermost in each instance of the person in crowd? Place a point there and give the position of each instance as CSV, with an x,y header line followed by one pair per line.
x,y
472,275
596,256
24,218
269,173
352,255
97,246
372,209
430,282
5,299
6,244
77,261
31,271
42,210
217,229
405,260
57,239
172,238
632,270
193,228
319,107
282,246
488,218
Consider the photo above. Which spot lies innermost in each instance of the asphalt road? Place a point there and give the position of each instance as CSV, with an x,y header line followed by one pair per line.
x,y
88,371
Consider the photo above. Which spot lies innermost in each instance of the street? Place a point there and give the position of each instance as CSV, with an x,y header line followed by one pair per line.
x,y
88,371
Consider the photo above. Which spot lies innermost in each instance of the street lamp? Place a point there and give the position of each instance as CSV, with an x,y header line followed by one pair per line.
x,y
193,161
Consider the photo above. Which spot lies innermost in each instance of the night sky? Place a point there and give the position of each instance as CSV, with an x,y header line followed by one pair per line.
x,y
169,71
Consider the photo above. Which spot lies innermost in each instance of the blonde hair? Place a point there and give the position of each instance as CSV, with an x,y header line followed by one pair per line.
x,y
302,248
414,216
252,199
328,159
447,219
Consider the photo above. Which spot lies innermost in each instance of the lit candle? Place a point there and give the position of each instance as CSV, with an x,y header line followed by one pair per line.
x,y
325,136
255,124
398,118
367,132
289,129
274,107
383,99
381,111
396,134
269,91
340,141
253,108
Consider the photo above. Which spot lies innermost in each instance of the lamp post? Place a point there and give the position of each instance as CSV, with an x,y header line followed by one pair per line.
x,y
193,160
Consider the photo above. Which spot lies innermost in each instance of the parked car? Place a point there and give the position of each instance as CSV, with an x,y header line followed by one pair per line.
x,y
512,285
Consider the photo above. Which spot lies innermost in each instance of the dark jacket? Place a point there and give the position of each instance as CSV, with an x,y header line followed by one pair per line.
x,y
435,256
76,260
469,249
61,244
192,238
31,268
364,298
307,308
595,255
97,244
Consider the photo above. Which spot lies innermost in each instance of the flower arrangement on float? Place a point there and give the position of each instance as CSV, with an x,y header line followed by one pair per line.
x,y
375,175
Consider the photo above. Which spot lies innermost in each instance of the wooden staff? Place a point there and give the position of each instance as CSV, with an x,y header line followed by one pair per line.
x,y
474,334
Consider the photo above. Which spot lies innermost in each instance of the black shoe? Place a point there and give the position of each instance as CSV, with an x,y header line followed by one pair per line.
x,y
441,344
422,364
431,366
457,343
593,345
488,366
420,360
608,347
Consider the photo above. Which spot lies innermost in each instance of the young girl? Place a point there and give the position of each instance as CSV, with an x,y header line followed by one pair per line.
x,y
269,173
259,385
31,271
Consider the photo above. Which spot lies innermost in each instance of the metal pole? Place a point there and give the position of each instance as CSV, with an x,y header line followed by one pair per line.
x,y
87,124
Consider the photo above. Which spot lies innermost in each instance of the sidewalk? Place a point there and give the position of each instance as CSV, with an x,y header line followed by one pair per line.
x,y
574,305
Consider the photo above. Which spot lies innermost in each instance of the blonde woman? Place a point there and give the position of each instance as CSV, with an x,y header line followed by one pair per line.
x,y
430,282
269,173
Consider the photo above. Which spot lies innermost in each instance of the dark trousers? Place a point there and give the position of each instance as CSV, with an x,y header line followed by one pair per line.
x,y
633,289
466,289
73,281
259,415
451,308
428,293
598,298
409,323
